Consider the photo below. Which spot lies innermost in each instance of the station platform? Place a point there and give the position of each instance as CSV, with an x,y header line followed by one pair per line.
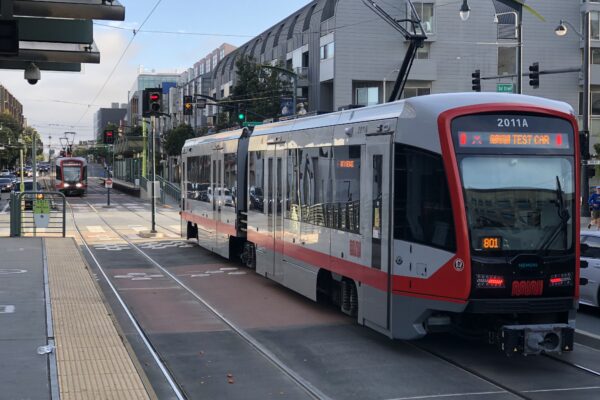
x,y
57,337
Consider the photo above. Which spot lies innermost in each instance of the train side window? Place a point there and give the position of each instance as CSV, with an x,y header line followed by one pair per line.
x,y
58,173
344,213
256,170
316,184
292,210
422,208
198,178
230,178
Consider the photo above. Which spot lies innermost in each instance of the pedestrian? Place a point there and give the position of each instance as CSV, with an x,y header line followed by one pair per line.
x,y
594,203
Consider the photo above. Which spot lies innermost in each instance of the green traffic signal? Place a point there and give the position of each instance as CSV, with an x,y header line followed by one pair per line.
x,y
241,116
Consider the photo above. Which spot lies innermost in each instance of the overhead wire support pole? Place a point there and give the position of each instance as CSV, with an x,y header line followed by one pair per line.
x,y
417,37
153,186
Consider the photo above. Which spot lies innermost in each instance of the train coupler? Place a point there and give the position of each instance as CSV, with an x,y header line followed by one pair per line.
x,y
535,339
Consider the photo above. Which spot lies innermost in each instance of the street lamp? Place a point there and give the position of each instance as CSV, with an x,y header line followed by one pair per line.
x,y
465,11
561,30
518,34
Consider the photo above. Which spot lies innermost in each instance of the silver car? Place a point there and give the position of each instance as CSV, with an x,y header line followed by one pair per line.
x,y
590,251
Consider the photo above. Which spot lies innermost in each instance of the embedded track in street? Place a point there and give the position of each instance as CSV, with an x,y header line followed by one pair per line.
x,y
474,359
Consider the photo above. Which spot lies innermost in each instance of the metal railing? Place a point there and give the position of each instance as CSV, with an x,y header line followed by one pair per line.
x,y
26,219
168,189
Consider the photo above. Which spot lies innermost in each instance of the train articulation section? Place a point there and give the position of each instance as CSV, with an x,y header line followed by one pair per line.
x,y
443,212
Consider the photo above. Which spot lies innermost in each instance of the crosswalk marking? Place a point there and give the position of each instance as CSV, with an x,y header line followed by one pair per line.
x,y
95,229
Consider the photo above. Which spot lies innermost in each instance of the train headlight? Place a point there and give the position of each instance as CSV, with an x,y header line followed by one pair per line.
x,y
78,185
489,281
39,196
67,185
558,280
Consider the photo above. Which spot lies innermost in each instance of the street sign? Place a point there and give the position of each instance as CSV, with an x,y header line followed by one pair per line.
x,y
108,183
505,88
41,213
251,123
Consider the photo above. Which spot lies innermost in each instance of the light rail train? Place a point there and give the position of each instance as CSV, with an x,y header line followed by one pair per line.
x,y
69,175
451,212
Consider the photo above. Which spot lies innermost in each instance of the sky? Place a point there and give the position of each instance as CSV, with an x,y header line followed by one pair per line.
x,y
189,30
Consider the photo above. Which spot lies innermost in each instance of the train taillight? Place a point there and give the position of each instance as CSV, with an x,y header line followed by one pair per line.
x,y
557,280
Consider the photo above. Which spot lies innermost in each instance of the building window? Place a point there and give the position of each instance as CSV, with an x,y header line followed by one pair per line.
x,y
594,24
327,51
507,60
415,91
222,54
425,12
367,96
594,103
202,69
423,52
208,65
215,60
595,55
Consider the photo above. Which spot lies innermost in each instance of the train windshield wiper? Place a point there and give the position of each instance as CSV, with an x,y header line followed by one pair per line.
x,y
563,215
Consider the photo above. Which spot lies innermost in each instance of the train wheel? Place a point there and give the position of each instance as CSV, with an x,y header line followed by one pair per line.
x,y
349,298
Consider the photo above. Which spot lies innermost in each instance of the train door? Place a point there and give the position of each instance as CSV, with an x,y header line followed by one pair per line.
x,y
227,200
218,201
375,304
274,207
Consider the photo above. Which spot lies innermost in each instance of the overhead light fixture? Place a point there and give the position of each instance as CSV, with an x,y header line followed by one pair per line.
x,y
465,11
561,29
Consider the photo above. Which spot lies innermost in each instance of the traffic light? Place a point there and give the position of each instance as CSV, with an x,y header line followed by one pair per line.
x,y
534,75
476,81
241,112
152,102
109,136
188,105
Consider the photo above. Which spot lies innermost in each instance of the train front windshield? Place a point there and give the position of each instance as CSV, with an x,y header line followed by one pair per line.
x,y
519,203
517,173
72,173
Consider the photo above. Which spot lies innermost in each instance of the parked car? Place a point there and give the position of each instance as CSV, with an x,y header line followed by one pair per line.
x,y
28,199
6,184
590,251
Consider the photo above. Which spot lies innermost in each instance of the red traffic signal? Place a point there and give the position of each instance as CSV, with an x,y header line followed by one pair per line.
x,y
109,136
152,102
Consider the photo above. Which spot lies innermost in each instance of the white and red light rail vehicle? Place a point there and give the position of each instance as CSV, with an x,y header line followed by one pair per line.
x,y
70,175
442,212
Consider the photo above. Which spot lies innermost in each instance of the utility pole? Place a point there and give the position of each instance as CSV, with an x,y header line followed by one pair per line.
x,y
33,158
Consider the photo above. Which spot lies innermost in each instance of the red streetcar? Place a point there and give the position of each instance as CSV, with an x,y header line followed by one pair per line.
x,y
70,175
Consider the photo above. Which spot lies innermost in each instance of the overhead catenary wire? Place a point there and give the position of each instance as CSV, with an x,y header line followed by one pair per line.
x,y
110,75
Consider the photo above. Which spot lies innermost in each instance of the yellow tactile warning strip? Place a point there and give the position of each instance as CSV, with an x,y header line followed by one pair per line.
x,y
93,362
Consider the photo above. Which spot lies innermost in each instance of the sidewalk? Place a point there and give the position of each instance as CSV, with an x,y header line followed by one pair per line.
x,y
90,360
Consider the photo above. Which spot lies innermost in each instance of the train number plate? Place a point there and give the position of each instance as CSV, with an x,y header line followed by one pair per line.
x,y
527,288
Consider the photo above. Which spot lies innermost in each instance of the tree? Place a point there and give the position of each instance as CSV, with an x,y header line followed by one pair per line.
x,y
175,139
259,89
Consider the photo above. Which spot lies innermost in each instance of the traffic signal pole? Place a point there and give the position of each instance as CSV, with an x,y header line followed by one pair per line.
x,y
153,127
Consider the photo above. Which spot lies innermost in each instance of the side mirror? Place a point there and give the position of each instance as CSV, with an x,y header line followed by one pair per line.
x,y
583,264
583,281
583,248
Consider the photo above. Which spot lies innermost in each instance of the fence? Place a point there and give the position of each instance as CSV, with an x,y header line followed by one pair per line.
x,y
35,213
128,169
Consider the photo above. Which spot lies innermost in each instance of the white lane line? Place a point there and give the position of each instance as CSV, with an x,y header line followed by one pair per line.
x,y
562,389
151,288
5,208
438,396
95,229
175,227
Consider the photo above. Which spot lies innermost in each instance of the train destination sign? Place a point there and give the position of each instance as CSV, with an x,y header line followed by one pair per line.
x,y
531,140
